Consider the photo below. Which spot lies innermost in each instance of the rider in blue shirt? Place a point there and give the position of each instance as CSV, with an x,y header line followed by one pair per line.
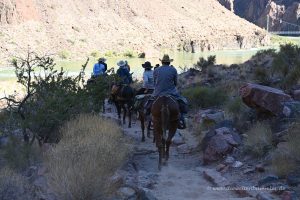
x,y
100,67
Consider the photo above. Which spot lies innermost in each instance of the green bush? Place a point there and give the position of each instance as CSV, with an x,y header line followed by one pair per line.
x,y
20,155
286,65
64,54
95,54
203,64
129,54
204,97
52,97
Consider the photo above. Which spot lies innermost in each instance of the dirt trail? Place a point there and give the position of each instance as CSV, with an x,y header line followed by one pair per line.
x,y
181,179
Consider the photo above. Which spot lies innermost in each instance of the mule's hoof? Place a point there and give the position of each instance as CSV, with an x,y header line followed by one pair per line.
x,y
148,135
129,126
143,139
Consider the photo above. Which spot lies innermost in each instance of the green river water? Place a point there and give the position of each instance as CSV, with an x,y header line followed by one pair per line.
x,y
181,60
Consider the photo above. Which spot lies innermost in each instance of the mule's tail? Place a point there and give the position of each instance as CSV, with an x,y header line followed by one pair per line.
x,y
165,118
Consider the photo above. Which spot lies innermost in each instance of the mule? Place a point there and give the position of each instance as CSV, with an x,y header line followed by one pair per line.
x,y
143,118
123,98
165,116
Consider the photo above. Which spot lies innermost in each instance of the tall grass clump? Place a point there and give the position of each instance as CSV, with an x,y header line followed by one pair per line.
x,y
205,97
286,160
90,151
14,186
259,139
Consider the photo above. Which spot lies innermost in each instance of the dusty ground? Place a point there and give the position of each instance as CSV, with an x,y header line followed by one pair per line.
x,y
181,179
81,27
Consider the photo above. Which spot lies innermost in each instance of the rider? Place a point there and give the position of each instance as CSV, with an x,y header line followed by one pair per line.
x,y
99,68
123,73
148,81
165,80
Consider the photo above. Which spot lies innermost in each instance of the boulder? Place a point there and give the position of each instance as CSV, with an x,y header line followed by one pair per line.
x,y
126,192
209,116
264,99
291,109
296,95
218,143
217,147
293,180
178,139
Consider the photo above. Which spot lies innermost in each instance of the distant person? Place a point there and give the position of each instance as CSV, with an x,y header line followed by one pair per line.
x,y
148,80
127,65
99,68
156,66
123,73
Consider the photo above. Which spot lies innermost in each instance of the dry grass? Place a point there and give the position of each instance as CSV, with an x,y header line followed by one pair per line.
x,y
14,186
91,150
285,161
283,164
259,140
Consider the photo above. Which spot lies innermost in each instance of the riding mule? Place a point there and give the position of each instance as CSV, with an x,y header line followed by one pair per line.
x,y
123,97
165,115
140,108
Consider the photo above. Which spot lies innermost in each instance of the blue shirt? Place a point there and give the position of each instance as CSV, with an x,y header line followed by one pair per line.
x,y
165,81
99,69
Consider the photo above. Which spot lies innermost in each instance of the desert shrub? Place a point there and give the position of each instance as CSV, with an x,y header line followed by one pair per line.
x,y
52,97
262,76
203,63
111,54
259,139
142,55
286,160
286,65
64,54
20,155
283,164
204,97
264,52
95,54
14,186
90,151
129,54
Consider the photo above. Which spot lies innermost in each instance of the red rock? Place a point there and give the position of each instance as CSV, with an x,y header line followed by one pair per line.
x,y
263,98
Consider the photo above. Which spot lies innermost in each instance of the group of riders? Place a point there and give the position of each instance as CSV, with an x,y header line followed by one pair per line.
x,y
160,81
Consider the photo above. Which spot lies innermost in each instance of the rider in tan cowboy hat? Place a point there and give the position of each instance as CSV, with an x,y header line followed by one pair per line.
x,y
165,80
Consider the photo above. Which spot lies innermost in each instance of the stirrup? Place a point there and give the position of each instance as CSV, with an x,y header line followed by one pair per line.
x,y
181,124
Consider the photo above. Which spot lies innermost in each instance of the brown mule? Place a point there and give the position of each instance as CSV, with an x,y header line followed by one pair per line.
x,y
165,115
123,98
144,118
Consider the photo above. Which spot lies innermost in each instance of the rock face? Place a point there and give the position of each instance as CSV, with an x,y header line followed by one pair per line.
x,y
7,12
263,98
218,143
256,11
105,25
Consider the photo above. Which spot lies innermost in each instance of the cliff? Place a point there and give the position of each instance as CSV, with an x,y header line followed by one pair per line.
x,y
119,25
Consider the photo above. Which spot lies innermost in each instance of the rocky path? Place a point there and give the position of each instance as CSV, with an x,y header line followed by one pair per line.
x,y
181,179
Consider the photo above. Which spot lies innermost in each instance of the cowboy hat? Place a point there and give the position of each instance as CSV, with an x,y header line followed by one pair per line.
x,y
121,63
102,59
166,58
147,65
